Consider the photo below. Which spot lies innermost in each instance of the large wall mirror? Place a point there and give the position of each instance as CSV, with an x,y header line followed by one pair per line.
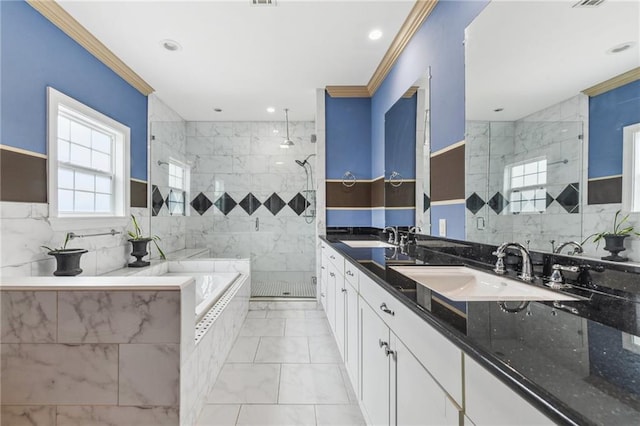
x,y
406,158
527,130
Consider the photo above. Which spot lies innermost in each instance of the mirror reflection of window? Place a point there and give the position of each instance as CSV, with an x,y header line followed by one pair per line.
x,y
525,186
631,168
178,188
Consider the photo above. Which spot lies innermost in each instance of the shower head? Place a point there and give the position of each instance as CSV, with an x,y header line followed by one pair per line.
x,y
304,162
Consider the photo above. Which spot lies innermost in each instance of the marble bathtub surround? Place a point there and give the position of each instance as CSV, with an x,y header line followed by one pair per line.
x,y
116,349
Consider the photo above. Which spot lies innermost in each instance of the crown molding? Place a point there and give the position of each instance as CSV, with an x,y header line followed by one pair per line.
x,y
613,83
67,23
348,91
419,13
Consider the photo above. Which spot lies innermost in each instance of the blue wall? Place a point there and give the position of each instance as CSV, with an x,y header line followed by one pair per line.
x,y
400,138
437,44
454,214
36,54
608,114
348,127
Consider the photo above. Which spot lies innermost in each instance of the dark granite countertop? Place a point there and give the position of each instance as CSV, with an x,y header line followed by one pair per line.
x,y
578,362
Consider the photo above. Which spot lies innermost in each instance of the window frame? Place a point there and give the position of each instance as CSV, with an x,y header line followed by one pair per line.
x,y
630,150
184,189
509,189
121,160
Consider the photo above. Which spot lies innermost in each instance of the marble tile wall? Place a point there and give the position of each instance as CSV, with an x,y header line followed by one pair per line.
x,y
555,133
239,158
25,227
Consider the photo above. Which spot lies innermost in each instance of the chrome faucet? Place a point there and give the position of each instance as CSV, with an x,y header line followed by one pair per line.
x,y
577,245
527,263
393,235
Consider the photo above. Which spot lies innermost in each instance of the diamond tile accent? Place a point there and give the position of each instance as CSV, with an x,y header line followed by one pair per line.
x,y
274,203
298,204
157,201
550,199
569,198
426,202
201,203
250,204
474,203
225,203
175,202
498,203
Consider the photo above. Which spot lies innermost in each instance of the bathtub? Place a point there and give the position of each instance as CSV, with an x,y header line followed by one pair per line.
x,y
210,286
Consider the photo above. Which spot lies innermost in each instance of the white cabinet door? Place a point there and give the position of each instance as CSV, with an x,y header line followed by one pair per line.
x,y
340,324
418,400
375,366
352,352
324,278
491,402
331,297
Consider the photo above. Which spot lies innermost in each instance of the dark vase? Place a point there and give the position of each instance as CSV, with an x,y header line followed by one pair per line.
x,y
614,244
139,251
67,262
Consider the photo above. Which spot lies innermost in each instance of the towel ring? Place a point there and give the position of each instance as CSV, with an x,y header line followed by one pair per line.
x,y
348,179
398,179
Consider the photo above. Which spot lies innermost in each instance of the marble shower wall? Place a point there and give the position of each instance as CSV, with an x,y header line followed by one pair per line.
x,y
168,141
247,196
555,133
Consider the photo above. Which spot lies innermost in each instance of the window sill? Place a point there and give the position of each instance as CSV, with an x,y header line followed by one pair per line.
x,y
68,224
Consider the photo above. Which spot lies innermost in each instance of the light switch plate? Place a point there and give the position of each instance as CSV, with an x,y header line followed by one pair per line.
x,y
442,223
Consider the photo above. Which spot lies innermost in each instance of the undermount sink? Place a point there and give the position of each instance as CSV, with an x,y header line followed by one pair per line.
x,y
467,285
366,244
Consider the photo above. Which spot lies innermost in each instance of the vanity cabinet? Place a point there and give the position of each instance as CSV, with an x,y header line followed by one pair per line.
x,y
397,389
403,370
491,402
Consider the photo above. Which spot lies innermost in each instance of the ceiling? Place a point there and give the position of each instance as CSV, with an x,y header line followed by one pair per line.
x,y
243,58
523,56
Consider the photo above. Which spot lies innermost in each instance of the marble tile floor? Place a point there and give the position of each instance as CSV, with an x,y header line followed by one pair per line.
x,y
284,369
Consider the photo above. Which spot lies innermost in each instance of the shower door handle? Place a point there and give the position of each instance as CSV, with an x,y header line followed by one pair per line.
x,y
257,223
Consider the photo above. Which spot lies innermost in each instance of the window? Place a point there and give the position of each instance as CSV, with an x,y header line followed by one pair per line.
x,y
178,187
525,185
88,156
631,168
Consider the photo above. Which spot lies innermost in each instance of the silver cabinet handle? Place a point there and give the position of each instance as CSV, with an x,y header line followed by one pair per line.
x,y
349,273
386,310
388,352
332,274
332,257
383,344
344,290
322,267
321,294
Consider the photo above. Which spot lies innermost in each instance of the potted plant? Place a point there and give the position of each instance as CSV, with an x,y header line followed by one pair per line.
x,y
614,240
140,243
67,260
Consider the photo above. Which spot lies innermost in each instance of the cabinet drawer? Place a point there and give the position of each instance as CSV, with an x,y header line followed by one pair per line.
x,y
437,354
352,275
336,260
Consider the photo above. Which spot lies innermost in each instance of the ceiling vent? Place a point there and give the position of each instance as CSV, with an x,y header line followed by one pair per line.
x,y
263,2
586,3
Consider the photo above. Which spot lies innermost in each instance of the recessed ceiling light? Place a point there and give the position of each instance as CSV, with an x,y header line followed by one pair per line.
x,y
276,131
375,34
271,110
279,163
621,47
217,109
170,45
